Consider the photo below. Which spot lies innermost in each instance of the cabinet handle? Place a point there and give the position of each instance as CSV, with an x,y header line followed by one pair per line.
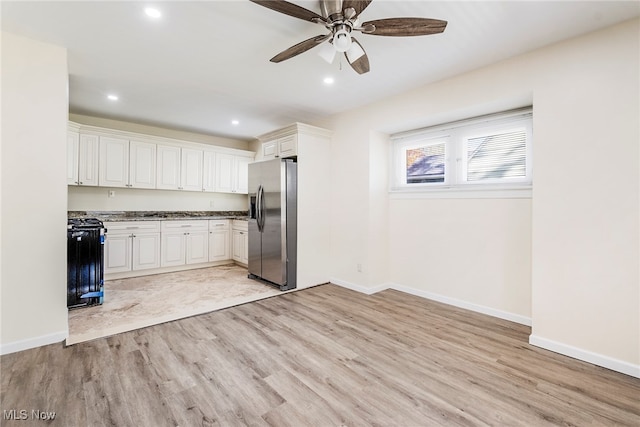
x,y
80,183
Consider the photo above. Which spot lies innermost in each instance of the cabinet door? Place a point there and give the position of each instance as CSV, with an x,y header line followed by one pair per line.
x,y
117,253
287,146
209,171
142,165
224,173
245,250
168,167
191,170
197,245
242,175
73,140
114,162
238,247
270,150
219,245
88,154
146,251
172,249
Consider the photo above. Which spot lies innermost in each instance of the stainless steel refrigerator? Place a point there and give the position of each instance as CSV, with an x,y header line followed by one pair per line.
x,y
273,222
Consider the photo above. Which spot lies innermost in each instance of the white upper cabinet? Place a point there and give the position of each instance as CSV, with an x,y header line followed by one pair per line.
x,y
142,165
88,155
82,159
232,173
168,167
124,163
179,168
114,158
114,162
241,174
209,171
224,173
286,146
73,143
191,169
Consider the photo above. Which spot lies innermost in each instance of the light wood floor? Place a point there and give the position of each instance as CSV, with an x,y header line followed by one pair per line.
x,y
324,356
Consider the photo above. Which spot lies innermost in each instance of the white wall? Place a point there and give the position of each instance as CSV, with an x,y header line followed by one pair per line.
x,y
34,194
586,255
129,199
566,260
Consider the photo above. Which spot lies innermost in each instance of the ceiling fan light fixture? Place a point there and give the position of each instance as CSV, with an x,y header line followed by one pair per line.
x,y
327,52
342,40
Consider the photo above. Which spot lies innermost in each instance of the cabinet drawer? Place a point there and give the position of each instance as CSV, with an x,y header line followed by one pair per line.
x,y
129,227
240,225
218,224
192,225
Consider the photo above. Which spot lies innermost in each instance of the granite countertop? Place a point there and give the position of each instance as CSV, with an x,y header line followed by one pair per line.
x,y
107,216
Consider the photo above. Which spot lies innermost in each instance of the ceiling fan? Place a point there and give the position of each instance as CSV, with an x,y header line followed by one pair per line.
x,y
341,18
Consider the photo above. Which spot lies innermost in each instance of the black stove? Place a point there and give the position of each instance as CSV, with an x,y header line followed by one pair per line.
x,y
85,259
84,223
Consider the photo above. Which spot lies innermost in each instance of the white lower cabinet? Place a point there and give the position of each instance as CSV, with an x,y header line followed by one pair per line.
x,y
132,246
240,244
184,242
169,245
219,240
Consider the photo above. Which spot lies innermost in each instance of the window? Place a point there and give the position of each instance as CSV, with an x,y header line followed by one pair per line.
x,y
488,152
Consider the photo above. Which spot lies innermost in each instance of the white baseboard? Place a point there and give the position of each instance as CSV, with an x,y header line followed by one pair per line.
x,y
29,343
523,320
586,356
359,288
512,317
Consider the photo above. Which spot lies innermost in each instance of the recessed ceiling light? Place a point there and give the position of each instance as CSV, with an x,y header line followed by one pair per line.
x,y
328,80
235,122
113,97
152,13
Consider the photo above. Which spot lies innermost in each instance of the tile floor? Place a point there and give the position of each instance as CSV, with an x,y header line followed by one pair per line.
x,y
149,300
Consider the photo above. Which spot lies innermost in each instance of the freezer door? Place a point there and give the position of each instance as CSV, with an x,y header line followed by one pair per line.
x,y
274,219
255,236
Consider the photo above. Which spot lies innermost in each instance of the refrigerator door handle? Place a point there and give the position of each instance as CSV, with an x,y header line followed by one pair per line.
x,y
260,208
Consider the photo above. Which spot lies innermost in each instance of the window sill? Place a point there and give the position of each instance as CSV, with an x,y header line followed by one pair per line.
x,y
502,192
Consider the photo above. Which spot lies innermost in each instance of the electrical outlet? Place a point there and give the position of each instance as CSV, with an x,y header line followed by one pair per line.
x,y
212,203
359,267
112,193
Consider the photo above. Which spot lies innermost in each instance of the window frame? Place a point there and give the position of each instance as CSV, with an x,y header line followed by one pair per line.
x,y
455,135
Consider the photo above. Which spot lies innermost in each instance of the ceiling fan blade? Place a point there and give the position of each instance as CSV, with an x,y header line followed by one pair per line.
x,y
290,9
300,48
403,27
361,62
357,5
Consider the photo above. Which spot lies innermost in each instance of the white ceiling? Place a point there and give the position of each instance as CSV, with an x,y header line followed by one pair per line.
x,y
205,63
